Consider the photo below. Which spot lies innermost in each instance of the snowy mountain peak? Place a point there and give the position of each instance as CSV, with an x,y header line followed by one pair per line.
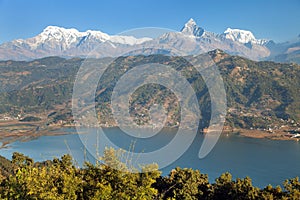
x,y
59,31
191,22
192,29
73,36
242,36
57,28
59,34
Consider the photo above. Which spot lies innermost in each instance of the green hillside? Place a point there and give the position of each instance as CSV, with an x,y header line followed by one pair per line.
x,y
259,94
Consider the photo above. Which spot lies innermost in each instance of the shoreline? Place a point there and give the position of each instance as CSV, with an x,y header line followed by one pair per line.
x,y
280,135
12,131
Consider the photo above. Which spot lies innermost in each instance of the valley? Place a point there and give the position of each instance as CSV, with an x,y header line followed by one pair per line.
x,y
262,97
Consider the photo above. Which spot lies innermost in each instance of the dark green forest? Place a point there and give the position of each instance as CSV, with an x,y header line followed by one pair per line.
x,y
22,178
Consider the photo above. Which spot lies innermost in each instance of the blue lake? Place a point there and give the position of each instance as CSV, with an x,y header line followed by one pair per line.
x,y
265,161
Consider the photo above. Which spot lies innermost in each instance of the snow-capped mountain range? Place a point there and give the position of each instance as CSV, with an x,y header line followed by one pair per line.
x,y
72,37
192,39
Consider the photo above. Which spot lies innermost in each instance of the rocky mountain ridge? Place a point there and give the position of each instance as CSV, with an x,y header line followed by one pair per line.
x,y
192,39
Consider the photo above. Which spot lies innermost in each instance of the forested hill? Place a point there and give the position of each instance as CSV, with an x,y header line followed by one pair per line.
x,y
259,94
61,179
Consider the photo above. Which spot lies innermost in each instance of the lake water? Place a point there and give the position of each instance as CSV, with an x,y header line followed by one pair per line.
x,y
265,161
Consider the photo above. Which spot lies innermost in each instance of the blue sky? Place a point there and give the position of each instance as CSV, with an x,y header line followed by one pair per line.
x,y
274,19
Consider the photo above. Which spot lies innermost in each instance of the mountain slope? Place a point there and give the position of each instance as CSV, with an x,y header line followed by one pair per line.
x,y
259,94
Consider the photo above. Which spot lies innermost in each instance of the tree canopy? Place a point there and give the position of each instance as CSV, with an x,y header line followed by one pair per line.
x,y
22,178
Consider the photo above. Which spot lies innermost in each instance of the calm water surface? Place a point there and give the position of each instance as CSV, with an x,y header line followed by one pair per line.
x,y
265,161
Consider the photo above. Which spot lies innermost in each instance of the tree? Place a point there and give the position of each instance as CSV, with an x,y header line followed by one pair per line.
x,y
183,184
21,160
225,188
57,181
112,179
270,193
293,188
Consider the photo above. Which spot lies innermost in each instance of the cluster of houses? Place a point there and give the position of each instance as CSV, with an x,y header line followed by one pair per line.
x,y
9,118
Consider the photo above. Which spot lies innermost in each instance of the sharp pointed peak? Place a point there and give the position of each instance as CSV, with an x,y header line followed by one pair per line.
x,y
191,28
191,21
